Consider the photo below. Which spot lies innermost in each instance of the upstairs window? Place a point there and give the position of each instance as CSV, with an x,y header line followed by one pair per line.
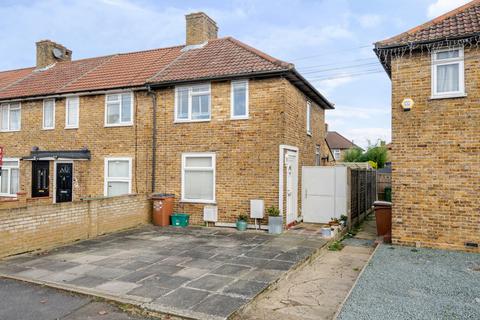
x,y
119,109
72,113
9,179
309,120
448,73
239,99
10,116
48,114
192,103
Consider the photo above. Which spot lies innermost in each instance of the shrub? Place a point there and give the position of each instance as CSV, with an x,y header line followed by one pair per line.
x,y
273,212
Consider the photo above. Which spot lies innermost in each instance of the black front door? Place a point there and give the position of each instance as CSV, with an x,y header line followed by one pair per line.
x,y
40,178
64,182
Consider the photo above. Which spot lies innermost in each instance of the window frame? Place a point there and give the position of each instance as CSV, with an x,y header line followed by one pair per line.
x,y
116,179
213,169
67,104
120,123
190,94
318,155
460,60
232,100
335,151
309,117
9,105
53,114
9,169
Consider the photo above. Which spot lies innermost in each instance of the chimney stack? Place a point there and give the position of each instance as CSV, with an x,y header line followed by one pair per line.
x,y
200,28
49,52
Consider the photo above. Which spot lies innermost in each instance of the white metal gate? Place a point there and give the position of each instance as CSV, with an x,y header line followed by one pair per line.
x,y
324,193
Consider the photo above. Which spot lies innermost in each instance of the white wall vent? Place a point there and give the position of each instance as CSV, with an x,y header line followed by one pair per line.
x,y
210,213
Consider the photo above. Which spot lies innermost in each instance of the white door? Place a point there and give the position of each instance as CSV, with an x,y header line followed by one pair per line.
x,y
291,167
324,193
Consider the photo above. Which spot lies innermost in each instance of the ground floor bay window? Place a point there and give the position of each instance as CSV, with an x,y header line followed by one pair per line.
x,y
118,176
9,178
198,177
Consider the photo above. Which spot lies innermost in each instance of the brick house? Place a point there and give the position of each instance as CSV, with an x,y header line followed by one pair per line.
x,y
339,144
435,153
214,121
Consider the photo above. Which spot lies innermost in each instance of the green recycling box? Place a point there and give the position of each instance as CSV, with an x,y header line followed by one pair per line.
x,y
180,219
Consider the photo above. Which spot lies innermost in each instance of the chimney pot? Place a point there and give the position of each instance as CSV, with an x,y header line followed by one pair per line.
x,y
200,28
46,56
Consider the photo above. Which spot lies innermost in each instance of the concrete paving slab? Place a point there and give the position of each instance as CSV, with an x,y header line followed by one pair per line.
x,y
191,273
182,298
211,282
219,305
150,288
245,288
232,269
88,281
116,287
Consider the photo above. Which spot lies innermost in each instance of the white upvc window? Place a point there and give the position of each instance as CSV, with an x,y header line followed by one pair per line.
x,y
192,103
48,114
10,116
239,99
10,177
448,73
336,154
309,116
118,176
119,109
198,177
72,112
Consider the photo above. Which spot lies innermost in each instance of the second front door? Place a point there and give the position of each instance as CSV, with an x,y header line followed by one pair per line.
x,y
64,181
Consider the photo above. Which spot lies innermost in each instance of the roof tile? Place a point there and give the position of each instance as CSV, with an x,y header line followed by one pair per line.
x,y
461,22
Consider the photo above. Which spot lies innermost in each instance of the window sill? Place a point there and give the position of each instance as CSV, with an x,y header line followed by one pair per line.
x,y
9,131
119,125
309,134
198,201
190,121
449,96
70,128
48,129
240,118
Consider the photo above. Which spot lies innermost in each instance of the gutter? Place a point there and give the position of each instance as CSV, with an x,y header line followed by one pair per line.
x,y
290,74
74,94
154,136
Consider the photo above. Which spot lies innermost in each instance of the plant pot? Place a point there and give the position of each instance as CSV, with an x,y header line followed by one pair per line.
x,y
241,225
326,232
275,225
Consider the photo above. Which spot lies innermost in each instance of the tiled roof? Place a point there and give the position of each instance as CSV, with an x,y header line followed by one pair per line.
x,y
336,141
461,22
218,58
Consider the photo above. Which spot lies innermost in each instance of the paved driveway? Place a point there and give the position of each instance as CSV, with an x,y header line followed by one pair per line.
x,y
405,283
194,272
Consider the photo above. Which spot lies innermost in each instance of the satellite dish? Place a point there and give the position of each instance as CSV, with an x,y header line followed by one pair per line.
x,y
57,53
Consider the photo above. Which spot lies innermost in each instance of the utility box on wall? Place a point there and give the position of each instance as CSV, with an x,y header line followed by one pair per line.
x,y
257,209
210,214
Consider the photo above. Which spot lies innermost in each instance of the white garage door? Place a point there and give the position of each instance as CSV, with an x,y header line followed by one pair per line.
x,y
324,193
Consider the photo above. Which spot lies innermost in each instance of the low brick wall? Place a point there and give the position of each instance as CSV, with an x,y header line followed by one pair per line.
x,y
34,227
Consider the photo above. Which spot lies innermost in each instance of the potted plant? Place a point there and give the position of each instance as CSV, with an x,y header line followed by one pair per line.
x,y
343,220
275,221
333,222
242,222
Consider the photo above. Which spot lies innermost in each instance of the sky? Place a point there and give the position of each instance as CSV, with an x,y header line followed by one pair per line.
x,y
330,41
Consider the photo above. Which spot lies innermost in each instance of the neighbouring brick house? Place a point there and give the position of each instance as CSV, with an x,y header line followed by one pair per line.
x,y
339,144
215,122
436,142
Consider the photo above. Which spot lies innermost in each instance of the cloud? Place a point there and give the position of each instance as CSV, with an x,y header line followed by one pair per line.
x,y
348,112
370,20
440,7
362,136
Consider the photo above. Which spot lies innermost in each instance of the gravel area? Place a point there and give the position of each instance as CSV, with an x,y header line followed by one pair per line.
x,y
408,283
